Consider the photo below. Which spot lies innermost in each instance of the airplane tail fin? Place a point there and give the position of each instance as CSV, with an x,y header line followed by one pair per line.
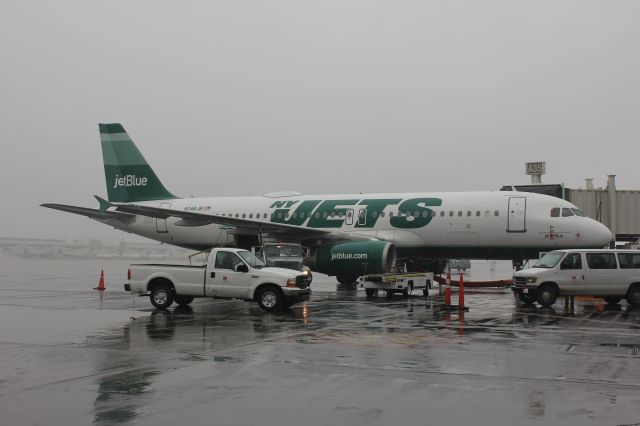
x,y
128,175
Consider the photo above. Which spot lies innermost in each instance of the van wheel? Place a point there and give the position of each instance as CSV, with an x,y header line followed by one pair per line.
x,y
612,300
633,295
162,295
371,292
407,291
547,295
271,299
528,298
183,300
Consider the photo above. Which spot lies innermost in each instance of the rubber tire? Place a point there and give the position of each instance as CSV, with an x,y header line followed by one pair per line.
x,y
633,295
425,292
407,291
547,295
527,299
271,299
347,279
370,292
162,295
183,300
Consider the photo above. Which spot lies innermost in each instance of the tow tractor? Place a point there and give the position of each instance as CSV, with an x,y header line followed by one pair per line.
x,y
398,282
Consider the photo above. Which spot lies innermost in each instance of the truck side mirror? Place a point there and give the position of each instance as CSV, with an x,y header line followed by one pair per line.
x,y
242,268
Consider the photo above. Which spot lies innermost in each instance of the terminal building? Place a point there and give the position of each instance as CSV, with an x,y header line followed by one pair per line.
x,y
618,209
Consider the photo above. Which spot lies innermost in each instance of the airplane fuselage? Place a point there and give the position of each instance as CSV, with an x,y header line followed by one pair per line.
x,y
486,225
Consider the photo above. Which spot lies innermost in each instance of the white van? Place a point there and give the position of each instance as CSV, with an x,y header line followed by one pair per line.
x,y
611,274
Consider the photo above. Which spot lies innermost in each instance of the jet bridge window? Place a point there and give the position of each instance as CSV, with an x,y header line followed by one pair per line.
x,y
566,212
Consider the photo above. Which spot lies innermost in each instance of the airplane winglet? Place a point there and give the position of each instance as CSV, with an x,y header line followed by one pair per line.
x,y
104,204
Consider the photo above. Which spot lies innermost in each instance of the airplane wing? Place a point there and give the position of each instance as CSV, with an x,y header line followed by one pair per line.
x,y
244,225
92,213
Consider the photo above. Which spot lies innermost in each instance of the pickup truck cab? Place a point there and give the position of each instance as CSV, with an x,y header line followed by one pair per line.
x,y
611,274
227,274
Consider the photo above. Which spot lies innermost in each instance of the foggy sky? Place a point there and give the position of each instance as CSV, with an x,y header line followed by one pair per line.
x,y
250,97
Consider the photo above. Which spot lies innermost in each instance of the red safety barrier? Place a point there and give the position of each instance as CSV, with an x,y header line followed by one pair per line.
x,y
461,293
447,290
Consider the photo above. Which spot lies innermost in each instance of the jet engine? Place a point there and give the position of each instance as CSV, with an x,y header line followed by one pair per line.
x,y
353,259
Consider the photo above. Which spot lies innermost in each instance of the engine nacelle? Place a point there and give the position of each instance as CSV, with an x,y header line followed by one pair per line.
x,y
353,258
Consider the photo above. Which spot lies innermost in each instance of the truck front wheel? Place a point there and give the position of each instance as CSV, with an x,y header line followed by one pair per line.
x,y
162,295
270,298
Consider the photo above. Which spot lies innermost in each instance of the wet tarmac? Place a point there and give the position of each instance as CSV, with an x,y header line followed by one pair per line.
x,y
72,355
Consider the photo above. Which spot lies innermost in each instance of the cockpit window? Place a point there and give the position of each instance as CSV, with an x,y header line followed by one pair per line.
x,y
578,212
555,212
566,212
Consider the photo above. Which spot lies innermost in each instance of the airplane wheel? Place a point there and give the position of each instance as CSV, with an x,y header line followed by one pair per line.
x,y
347,279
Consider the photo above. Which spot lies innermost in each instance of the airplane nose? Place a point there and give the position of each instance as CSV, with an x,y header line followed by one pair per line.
x,y
601,234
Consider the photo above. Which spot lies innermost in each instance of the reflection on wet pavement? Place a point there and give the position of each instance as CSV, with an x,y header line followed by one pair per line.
x,y
337,359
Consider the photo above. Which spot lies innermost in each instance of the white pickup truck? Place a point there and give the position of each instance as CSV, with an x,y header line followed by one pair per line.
x,y
228,274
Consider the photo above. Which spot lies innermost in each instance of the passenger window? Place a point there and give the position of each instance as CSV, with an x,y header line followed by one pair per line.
x,y
381,214
496,213
279,215
487,213
572,261
451,213
416,213
629,260
442,213
425,213
555,212
477,213
301,215
468,212
265,215
374,214
250,215
294,215
601,261
390,214
237,215
566,212
459,213
244,215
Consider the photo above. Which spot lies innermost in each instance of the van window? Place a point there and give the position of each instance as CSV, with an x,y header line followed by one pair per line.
x,y
566,212
572,261
555,212
601,261
629,260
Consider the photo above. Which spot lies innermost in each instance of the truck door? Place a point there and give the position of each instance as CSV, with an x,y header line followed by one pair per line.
x,y
517,218
602,273
224,279
161,224
571,274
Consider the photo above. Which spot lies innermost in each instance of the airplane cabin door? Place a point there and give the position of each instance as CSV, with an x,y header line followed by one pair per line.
x,y
349,219
517,214
161,224
362,217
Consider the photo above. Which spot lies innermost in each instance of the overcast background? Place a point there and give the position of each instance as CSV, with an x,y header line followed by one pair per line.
x,y
240,97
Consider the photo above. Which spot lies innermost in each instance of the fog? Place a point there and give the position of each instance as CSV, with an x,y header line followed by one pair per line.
x,y
250,97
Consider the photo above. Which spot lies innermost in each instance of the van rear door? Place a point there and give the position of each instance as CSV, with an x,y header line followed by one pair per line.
x,y
571,274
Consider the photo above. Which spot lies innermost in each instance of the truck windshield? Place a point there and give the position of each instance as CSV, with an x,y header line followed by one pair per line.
x,y
549,260
251,259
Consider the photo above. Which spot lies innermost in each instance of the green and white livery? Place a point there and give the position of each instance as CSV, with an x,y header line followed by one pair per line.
x,y
348,234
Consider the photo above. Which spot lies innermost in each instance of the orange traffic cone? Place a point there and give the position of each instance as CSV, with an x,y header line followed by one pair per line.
x,y
101,282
